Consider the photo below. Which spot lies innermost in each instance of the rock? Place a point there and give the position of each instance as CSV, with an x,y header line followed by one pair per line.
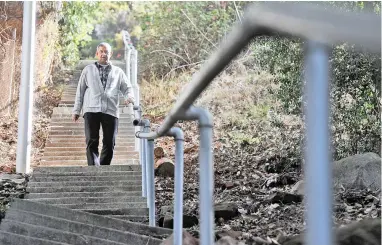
x,y
298,188
358,172
361,171
285,198
188,239
226,211
166,209
159,152
5,176
188,221
230,233
280,180
19,181
365,232
164,167
228,185
227,240
166,219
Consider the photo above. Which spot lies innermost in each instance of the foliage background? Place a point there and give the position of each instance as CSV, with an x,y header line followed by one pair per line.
x,y
175,38
178,37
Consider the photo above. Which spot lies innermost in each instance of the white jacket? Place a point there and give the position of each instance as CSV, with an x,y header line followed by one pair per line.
x,y
92,97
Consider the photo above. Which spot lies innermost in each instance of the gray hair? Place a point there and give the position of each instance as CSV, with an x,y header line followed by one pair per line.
x,y
106,45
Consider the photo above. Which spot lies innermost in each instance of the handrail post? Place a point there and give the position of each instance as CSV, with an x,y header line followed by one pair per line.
x,y
148,169
128,64
318,174
150,181
146,128
139,126
24,133
206,173
177,133
134,84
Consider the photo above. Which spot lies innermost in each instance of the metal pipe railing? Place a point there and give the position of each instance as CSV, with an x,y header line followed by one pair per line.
x,y
318,165
24,132
177,133
321,28
150,181
145,126
206,173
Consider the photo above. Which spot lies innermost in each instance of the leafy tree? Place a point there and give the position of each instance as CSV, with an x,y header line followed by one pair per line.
x,y
76,25
178,35
355,85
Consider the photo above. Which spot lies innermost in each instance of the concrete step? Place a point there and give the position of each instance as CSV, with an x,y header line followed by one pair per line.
x,y
85,178
82,156
86,169
70,99
106,188
83,194
9,238
93,200
71,126
85,183
82,149
118,156
60,115
120,141
81,132
66,118
41,232
69,163
132,218
71,225
81,152
104,206
66,108
105,173
83,144
117,211
72,159
124,135
79,138
79,125
63,219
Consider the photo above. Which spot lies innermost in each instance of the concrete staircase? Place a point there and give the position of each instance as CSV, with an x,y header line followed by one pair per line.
x,y
66,145
69,202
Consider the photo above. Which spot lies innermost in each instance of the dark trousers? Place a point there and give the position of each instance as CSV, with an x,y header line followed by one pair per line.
x,y
109,124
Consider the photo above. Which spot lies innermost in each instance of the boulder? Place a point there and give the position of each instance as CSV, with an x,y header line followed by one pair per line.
x,y
285,198
364,232
188,221
230,233
359,172
188,239
164,167
166,219
226,211
227,240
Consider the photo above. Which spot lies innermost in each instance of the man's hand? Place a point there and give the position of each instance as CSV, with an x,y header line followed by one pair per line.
x,y
129,100
75,117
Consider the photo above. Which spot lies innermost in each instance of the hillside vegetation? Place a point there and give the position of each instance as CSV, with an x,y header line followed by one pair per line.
x,y
257,107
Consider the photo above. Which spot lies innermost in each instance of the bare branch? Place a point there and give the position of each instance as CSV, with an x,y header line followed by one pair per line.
x,y
198,29
237,11
166,51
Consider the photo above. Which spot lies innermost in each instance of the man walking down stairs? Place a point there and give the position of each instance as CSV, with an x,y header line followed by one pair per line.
x,y
98,96
69,202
